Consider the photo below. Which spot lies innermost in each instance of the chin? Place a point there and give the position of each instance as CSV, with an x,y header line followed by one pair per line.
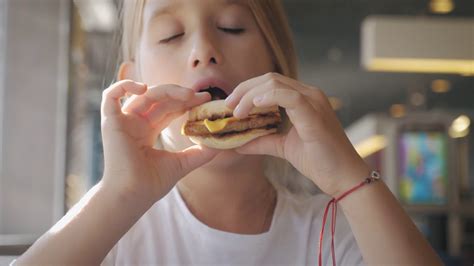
x,y
227,159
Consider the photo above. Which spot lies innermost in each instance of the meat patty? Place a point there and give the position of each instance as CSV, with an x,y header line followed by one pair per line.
x,y
197,128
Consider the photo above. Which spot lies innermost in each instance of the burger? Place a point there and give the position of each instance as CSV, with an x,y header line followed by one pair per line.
x,y
212,124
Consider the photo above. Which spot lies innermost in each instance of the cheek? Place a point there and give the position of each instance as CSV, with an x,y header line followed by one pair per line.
x,y
252,56
160,67
262,51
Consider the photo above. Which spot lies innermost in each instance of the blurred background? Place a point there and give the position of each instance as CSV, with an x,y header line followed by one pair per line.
x,y
399,73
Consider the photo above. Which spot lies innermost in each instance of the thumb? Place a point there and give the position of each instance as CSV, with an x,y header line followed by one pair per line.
x,y
193,157
267,145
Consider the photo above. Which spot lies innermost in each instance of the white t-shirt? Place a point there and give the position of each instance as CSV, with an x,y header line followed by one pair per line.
x,y
169,234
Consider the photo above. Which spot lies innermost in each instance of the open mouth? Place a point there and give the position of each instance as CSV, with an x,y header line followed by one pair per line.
x,y
216,93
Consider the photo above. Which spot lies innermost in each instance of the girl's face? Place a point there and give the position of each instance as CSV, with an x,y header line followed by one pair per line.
x,y
198,43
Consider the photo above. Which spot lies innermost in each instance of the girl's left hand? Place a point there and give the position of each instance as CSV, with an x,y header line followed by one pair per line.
x,y
316,144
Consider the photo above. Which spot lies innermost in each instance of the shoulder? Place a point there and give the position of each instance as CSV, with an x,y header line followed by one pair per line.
x,y
312,207
144,234
309,210
303,210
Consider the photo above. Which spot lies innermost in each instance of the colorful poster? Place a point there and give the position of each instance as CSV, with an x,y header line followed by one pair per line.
x,y
423,167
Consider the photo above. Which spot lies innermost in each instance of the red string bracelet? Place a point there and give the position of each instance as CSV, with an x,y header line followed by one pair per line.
x,y
374,176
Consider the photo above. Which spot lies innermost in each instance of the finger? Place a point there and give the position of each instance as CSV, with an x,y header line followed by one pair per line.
x,y
295,84
300,112
111,96
156,114
267,145
315,95
193,157
246,102
166,121
234,98
173,91
143,103
317,98
127,99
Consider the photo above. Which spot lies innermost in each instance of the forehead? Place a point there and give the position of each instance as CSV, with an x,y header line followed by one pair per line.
x,y
155,8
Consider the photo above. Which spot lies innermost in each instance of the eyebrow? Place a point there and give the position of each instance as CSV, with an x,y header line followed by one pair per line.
x,y
169,8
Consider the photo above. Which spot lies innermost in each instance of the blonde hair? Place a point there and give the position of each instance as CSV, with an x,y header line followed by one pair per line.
x,y
273,23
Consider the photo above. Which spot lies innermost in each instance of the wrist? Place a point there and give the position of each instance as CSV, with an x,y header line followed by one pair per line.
x,y
124,194
352,177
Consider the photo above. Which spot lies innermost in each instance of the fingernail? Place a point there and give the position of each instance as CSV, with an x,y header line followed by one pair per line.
x,y
203,94
229,99
258,99
237,111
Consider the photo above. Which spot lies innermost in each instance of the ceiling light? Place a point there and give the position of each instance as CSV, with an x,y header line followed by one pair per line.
x,y
418,44
460,127
429,65
440,86
397,110
417,99
441,6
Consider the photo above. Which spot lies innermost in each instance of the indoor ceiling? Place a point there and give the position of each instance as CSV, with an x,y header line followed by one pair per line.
x,y
327,36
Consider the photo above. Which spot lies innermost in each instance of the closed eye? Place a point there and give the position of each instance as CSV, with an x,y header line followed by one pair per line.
x,y
228,30
171,38
232,31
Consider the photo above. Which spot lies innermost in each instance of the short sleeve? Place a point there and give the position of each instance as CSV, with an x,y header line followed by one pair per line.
x,y
347,250
111,257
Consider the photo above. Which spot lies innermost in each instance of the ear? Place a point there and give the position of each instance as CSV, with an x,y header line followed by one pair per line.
x,y
127,71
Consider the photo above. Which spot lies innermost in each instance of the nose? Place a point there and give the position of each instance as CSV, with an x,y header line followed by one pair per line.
x,y
204,52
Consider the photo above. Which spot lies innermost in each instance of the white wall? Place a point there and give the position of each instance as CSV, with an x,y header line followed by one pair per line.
x,y
6,260
3,18
33,112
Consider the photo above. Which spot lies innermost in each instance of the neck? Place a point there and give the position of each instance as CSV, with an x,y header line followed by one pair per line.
x,y
235,196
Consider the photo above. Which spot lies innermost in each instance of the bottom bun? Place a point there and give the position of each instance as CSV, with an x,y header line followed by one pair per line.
x,y
232,141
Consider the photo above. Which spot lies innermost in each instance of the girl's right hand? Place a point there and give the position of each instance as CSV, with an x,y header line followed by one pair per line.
x,y
131,164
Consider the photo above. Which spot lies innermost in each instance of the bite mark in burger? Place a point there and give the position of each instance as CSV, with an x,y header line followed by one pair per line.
x,y
212,124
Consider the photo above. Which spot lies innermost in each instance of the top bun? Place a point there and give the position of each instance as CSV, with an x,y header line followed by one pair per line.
x,y
218,109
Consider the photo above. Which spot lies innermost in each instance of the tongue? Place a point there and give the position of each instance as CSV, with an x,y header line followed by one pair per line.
x,y
216,93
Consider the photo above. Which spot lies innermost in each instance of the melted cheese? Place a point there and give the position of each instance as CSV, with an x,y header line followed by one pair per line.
x,y
217,125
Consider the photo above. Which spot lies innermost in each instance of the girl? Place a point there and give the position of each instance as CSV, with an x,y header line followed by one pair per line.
x,y
181,204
